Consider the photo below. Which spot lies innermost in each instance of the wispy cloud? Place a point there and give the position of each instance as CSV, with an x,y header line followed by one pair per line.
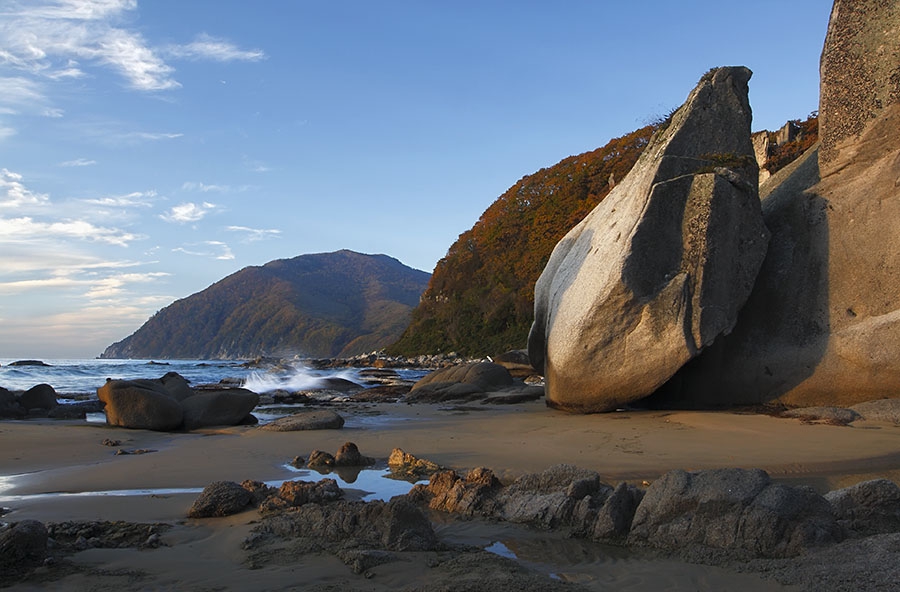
x,y
6,132
14,193
152,135
255,234
139,199
209,249
204,188
26,227
78,162
188,212
206,47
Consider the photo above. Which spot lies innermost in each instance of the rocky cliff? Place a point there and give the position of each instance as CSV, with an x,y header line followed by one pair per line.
x,y
321,305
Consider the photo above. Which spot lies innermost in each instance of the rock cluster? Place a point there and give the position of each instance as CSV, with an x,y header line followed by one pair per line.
x,y
39,398
169,403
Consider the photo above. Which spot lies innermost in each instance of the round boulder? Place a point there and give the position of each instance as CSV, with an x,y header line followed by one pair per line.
x,y
317,419
220,498
40,396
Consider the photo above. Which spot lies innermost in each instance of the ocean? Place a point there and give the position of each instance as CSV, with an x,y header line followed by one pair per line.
x,y
76,378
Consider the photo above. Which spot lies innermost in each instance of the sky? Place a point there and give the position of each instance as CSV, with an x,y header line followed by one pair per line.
x,y
151,148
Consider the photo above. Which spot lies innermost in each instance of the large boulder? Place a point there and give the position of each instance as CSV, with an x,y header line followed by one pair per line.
x,y
736,511
870,507
661,267
822,326
23,546
216,408
131,404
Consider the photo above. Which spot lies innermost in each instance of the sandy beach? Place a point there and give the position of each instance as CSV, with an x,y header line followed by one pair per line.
x,y
42,457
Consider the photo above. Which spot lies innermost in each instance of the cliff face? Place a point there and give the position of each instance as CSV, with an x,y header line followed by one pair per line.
x,y
480,299
321,305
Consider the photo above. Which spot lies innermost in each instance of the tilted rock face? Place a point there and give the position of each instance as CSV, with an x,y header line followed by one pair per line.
x,y
661,267
822,326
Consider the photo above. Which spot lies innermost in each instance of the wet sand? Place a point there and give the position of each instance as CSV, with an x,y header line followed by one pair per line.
x,y
44,456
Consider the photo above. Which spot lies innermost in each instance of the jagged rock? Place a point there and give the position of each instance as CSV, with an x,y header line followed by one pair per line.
x,y
549,499
613,521
220,498
23,546
735,511
403,464
314,419
661,267
397,525
40,396
471,496
467,381
259,491
822,326
298,493
216,408
132,404
870,507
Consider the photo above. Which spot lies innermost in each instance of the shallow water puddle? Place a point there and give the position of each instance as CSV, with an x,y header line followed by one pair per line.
x,y
368,484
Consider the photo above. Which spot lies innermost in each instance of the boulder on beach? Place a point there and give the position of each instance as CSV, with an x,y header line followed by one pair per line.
x,y
661,267
312,419
10,408
23,546
220,498
218,408
822,326
867,508
131,404
40,396
468,381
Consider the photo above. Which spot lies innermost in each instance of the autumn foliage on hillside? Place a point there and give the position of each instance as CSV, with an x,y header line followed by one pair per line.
x,y
784,154
481,296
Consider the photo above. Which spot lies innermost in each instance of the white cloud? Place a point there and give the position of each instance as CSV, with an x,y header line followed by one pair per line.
x,y
255,234
25,228
153,136
206,47
203,187
139,199
78,162
14,193
220,250
188,212
6,132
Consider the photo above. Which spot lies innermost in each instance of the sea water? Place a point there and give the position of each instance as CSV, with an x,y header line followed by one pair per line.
x,y
79,377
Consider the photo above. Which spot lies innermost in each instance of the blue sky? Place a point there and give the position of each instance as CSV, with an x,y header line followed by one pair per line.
x,y
151,148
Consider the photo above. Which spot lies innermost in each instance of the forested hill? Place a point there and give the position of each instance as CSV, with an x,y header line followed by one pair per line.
x,y
320,305
481,296
480,300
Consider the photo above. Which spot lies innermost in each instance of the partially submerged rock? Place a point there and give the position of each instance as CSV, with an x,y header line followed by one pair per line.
x,y
661,267
311,419
466,382
405,465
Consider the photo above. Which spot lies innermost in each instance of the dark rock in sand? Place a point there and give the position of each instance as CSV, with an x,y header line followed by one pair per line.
x,y
320,459
220,498
298,493
614,517
136,404
10,407
315,419
736,511
259,491
349,456
867,508
40,396
396,525
514,396
217,408
23,546
550,499
78,410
